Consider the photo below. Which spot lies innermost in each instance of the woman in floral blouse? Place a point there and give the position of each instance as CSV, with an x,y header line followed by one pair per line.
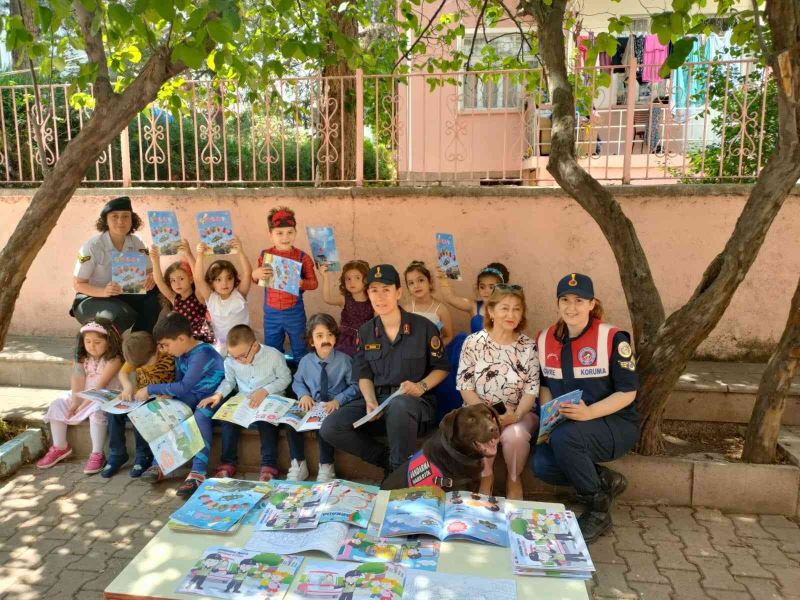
x,y
499,366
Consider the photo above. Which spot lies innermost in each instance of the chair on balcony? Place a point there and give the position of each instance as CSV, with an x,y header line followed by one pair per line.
x,y
641,125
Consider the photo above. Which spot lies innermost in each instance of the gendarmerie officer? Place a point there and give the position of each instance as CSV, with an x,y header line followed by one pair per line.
x,y
96,294
395,350
582,352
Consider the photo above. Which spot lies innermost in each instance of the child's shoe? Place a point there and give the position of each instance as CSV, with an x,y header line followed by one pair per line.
x,y
225,470
95,463
113,465
267,473
190,485
298,471
140,467
53,456
325,473
153,474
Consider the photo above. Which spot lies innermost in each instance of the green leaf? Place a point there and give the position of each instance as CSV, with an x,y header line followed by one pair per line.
x,y
45,18
191,56
196,18
165,9
119,17
291,49
220,32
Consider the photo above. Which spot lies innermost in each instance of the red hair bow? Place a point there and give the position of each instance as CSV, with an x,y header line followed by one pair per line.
x,y
283,218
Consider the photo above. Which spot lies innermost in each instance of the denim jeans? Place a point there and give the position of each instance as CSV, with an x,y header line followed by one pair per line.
x,y
269,443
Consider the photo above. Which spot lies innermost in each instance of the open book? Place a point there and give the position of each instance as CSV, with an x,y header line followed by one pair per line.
x,y
294,505
107,399
169,428
456,515
218,506
423,585
273,409
376,411
348,581
549,415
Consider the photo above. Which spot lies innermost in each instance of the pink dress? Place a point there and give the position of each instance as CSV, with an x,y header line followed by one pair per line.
x,y
59,409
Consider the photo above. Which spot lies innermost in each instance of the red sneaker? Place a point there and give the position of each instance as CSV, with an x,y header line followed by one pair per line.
x,y
95,464
267,473
53,456
225,470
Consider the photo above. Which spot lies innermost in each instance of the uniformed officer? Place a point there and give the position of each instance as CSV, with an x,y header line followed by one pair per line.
x,y
396,350
582,352
96,294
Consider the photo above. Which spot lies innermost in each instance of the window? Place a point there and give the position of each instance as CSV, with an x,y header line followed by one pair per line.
x,y
640,25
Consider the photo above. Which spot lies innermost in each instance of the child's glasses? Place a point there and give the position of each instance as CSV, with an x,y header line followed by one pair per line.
x,y
243,357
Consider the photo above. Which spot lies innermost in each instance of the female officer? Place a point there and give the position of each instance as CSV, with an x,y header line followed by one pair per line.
x,y
96,294
582,352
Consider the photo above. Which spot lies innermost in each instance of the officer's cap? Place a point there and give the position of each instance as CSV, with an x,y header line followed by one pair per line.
x,y
120,203
575,283
384,274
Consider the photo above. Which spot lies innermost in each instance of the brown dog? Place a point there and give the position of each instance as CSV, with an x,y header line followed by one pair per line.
x,y
452,457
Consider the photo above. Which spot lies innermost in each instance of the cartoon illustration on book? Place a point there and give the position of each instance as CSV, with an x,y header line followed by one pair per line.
x,y
170,429
412,553
348,581
446,255
350,502
241,575
422,585
216,231
107,399
294,506
550,416
273,409
323,247
164,231
129,271
285,273
213,508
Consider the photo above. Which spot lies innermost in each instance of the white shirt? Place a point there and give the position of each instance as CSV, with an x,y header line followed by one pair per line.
x,y
94,258
267,371
227,313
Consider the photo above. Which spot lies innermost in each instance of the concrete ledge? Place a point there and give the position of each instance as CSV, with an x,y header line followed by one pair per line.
x,y
656,479
24,448
687,404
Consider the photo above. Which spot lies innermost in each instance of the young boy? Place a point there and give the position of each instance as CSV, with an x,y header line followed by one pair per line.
x,y
324,376
144,365
284,313
198,372
257,371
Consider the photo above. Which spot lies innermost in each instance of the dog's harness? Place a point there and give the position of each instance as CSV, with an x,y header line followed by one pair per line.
x,y
421,471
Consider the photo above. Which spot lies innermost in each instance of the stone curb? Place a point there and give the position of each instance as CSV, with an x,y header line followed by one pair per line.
x,y
24,448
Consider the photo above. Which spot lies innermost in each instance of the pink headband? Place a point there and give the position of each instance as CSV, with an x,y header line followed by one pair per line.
x,y
95,327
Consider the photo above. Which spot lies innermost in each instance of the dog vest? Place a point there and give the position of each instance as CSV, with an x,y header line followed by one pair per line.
x,y
421,471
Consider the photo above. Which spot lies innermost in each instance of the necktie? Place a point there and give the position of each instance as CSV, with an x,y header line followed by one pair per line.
x,y
323,382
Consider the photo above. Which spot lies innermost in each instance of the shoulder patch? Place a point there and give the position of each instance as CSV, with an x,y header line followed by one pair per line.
x,y
436,347
83,259
628,364
624,349
372,347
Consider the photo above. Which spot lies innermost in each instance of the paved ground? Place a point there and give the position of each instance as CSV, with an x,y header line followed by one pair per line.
x,y
66,535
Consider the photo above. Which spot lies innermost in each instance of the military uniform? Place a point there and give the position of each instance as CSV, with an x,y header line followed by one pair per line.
x,y
411,356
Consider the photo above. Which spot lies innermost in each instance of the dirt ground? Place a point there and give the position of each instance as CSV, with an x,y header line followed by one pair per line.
x,y
699,439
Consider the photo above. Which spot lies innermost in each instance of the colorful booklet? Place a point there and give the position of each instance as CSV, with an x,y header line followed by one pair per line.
x,y
323,247
170,429
550,416
293,505
215,507
273,409
304,420
216,231
107,399
376,411
285,274
350,503
234,574
428,510
548,543
129,271
164,231
411,553
327,538
423,585
446,254
349,581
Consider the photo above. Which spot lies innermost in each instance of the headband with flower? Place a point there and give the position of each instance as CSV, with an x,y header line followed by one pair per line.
x,y
283,218
94,327
493,271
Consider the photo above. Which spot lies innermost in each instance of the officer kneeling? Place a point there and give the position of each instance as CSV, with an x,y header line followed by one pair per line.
x,y
395,350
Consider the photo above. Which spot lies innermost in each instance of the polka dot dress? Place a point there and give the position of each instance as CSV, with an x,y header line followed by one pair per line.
x,y
197,313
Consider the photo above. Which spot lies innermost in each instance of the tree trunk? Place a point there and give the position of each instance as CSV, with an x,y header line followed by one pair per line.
x,y
336,155
665,345
761,440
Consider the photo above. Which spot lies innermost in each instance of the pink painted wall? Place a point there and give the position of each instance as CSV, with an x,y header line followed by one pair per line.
x,y
540,234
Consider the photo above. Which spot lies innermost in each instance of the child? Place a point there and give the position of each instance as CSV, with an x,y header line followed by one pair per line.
x,y
144,365
98,358
326,377
198,372
420,287
285,314
224,290
357,309
257,371
176,284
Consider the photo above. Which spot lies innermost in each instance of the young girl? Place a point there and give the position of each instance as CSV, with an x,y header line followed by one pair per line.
x,y
98,358
176,284
224,290
357,309
420,286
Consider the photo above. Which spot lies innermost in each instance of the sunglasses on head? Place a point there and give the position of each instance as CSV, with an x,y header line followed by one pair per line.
x,y
508,286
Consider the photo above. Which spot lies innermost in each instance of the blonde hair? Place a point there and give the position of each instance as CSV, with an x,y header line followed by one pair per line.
x,y
596,313
500,292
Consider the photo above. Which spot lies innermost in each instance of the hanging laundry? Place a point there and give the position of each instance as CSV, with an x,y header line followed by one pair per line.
x,y
638,51
689,90
619,55
583,50
655,53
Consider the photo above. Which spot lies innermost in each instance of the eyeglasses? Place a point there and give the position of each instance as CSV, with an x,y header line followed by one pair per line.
x,y
508,286
243,357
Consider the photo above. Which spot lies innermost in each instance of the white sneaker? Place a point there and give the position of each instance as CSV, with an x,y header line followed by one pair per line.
x,y
325,473
298,471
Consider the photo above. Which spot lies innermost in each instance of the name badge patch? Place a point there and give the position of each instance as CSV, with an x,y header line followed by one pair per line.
x,y
372,347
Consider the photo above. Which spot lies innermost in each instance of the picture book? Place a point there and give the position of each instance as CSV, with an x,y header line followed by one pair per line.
x,y
294,506
411,553
107,399
348,581
234,574
423,585
164,231
457,515
129,271
304,420
350,503
170,429
216,231
549,415
446,255
323,248
327,538
376,411
285,273
274,409
548,543
215,507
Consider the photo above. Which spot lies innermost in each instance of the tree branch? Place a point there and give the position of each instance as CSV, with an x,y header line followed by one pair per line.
x,y
760,33
407,53
517,23
96,52
475,34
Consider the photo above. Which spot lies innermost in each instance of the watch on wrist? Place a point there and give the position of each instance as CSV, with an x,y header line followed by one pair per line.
x,y
424,386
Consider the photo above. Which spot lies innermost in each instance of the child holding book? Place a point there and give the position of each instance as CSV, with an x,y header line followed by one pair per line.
x,y
144,365
322,377
284,313
98,358
352,297
176,284
198,372
257,371
224,290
